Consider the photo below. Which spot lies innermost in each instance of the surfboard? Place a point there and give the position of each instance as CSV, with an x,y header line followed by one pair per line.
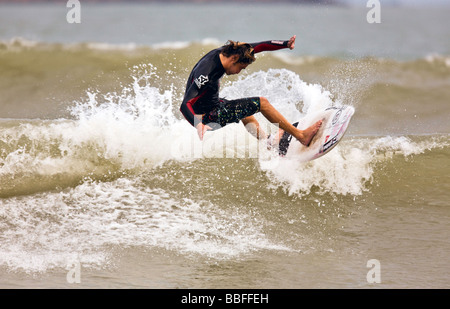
x,y
335,123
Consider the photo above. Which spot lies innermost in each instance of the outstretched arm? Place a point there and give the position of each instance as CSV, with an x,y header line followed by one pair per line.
x,y
273,45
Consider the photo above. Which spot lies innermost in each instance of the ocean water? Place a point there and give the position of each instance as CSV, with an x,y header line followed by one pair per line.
x,y
102,178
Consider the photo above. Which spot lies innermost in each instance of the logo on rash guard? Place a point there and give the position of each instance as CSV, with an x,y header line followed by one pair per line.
x,y
201,81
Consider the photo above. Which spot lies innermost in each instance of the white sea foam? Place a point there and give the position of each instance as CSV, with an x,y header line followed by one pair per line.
x,y
54,229
438,59
348,169
141,128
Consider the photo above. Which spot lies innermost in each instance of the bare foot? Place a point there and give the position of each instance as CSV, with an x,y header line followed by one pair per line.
x,y
307,135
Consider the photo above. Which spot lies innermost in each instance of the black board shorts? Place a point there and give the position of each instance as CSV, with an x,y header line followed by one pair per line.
x,y
231,111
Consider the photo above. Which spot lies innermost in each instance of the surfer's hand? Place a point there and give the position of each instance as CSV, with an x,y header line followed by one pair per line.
x,y
291,43
201,129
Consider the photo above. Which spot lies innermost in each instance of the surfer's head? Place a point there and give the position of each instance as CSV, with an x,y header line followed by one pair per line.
x,y
244,51
239,55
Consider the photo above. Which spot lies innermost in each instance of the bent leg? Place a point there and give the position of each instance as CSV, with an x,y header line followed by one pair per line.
x,y
252,126
274,116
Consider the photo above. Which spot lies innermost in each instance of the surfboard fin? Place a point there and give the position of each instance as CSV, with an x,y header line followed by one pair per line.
x,y
285,140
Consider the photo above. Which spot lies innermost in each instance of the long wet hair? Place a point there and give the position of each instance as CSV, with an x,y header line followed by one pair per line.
x,y
245,51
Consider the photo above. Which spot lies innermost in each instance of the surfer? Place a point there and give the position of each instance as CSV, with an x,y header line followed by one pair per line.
x,y
205,110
